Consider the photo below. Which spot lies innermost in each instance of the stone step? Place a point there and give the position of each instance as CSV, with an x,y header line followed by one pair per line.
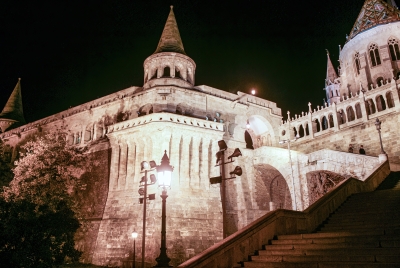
x,y
331,234
337,251
360,229
254,264
369,226
325,240
327,258
373,244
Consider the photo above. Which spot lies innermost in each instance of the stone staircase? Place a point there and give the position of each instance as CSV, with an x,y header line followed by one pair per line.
x,y
363,232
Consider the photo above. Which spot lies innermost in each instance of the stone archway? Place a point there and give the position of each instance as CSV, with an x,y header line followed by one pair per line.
x,y
272,191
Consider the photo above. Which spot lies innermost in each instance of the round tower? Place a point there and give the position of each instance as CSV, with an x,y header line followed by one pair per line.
x,y
371,55
169,64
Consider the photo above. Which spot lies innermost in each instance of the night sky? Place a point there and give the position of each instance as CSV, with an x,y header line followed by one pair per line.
x,y
71,52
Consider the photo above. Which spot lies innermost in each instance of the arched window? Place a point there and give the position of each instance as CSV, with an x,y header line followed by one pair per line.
x,y
350,114
389,99
358,111
380,103
374,55
307,131
301,131
167,72
248,140
295,131
317,127
370,107
380,81
341,117
331,123
324,123
357,62
394,49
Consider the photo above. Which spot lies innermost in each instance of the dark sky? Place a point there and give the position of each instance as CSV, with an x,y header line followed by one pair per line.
x,y
71,52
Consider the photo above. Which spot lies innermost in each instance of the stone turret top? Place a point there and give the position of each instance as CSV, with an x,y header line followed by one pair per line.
x,y
170,40
13,108
373,13
330,72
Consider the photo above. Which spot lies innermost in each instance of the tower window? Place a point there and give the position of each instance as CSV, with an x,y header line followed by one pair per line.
x,y
394,49
357,62
374,55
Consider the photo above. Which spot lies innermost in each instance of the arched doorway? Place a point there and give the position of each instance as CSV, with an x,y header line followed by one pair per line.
x,y
248,140
272,191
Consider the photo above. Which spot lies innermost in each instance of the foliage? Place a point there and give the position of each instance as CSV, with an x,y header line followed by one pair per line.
x,y
6,174
47,172
38,214
36,236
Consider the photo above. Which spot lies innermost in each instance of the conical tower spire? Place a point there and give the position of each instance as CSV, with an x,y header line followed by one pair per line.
x,y
330,71
12,112
170,40
373,13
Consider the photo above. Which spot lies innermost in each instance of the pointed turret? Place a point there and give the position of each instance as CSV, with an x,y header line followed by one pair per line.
x,y
330,72
170,40
373,13
12,113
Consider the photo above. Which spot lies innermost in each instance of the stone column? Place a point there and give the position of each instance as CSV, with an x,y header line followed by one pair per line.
x,y
365,116
130,171
311,123
114,167
122,165
334,115
184,164
195,163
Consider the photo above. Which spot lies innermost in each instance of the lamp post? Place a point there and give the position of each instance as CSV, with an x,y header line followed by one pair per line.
x,y
221,179
378,127
164,173
134,236
145,167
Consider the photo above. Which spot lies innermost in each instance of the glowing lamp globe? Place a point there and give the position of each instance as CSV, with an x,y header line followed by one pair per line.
x,y
164,172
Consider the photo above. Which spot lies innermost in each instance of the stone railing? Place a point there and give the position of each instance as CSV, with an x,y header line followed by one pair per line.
x,y
314,118
348,164
237,247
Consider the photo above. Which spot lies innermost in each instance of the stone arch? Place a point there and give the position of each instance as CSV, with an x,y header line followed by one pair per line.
x,y
330,120
261,126
380,81
301,131
272,191
370,106
341,117
324,123
380,103
146,109
358,110
248,139
350,114
88,135
389,99
317,127
307,130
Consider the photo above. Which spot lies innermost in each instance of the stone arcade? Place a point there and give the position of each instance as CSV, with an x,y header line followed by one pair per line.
x,y
188,120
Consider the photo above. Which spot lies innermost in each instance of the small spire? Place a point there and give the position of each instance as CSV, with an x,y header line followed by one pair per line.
x,y
12,111
170,40
330,71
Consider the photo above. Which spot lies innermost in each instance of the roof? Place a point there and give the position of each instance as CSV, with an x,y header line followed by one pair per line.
x,y
330,72
170,40
373,13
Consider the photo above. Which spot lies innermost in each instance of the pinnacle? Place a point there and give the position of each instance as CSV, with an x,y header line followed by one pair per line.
x,y
170,40
13,108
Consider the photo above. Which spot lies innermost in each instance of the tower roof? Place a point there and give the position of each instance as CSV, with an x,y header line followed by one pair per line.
x,y
13,108
170,40
330,71
373,13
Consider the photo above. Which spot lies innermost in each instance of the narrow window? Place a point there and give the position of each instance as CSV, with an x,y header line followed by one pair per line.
x,y
394,49
357,62
374,55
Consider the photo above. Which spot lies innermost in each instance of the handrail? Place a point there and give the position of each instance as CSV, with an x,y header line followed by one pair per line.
x,y
238,246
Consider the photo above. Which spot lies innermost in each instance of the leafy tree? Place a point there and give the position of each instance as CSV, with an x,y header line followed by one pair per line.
x,y
6,174
38,214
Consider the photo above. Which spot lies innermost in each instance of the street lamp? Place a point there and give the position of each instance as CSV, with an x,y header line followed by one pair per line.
x,y
378,127
145,167
288,141
221,179
164,181
134,236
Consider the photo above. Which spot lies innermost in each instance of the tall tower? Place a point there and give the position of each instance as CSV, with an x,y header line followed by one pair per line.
x,y
169,64
12,114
